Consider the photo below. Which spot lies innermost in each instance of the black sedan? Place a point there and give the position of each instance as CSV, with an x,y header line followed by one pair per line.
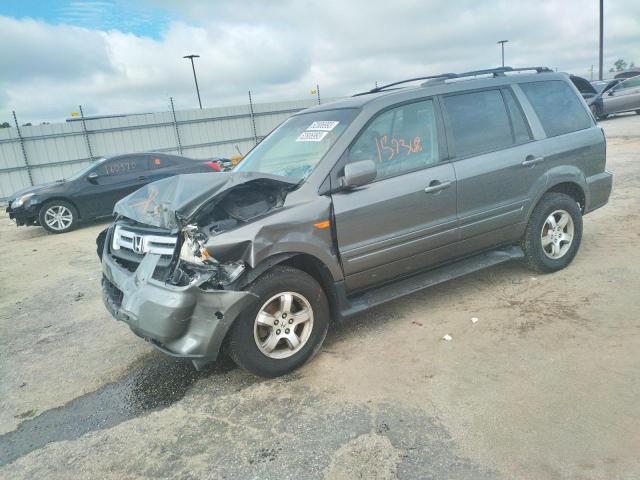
x,y
93,191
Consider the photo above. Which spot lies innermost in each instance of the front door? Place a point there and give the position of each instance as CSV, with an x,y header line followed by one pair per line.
x,y
405,220
623,97
116,178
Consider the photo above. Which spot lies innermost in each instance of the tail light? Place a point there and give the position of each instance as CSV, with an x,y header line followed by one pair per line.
x,y
214,166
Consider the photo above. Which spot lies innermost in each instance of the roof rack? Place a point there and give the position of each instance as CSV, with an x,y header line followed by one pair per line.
x,y
496,72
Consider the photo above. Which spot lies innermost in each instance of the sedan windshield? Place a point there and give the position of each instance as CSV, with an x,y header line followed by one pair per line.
x,y
296,146
86,170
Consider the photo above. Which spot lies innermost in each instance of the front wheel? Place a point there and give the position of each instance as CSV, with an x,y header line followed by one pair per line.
x,y
553,234
285,327
58,216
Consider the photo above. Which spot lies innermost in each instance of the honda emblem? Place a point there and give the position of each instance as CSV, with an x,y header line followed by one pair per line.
x,y
138,244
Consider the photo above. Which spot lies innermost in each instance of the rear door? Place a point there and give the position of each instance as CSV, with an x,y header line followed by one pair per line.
x,y
116,178
496,164
405,220
623,97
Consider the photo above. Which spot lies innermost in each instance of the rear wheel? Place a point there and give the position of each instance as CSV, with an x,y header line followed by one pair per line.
x,y
553,234
58,216
285,327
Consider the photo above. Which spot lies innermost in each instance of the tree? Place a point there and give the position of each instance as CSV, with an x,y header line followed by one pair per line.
x,y
620,65
632,65
4,125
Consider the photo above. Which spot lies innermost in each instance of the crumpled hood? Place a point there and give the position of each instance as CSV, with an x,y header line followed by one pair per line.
x,y
172,202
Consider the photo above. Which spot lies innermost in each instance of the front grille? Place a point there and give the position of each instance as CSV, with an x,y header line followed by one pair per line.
x,y
130,244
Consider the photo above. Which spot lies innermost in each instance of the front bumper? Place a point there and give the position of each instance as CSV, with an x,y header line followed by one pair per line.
x,y
181,321
24,215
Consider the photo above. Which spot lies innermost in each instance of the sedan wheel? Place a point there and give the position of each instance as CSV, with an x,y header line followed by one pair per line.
x,y
58,216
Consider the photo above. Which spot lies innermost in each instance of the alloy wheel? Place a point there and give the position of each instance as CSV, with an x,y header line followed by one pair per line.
x,y
283,325
557,234
58,217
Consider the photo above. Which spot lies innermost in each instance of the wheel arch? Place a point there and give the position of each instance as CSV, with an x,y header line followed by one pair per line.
x,y
573,190
63,199
305,262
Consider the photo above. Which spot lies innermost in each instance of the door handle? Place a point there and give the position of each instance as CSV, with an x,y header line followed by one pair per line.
x,y
436,186
531,160
143,178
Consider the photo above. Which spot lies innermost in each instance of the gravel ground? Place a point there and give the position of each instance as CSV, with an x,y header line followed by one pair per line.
x,y
544,385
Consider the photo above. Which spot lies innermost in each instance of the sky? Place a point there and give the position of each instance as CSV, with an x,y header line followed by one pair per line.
x,y
119,56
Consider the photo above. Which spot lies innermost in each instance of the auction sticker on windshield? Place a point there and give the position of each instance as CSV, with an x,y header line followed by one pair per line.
x,y
325,125
307,136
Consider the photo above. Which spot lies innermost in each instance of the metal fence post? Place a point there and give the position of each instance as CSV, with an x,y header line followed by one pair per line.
x,y
318,92
24,152
86,133
175,124
253,120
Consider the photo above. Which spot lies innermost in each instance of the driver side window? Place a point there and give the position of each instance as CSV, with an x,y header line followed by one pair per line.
x,y
399,140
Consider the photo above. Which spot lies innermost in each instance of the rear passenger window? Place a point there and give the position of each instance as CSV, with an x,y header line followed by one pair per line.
x,y
124,165
521,131
399,140
162,162
558,107
479,122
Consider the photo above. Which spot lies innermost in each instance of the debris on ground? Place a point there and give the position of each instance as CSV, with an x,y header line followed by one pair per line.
x,y
417,323
447,338
474,319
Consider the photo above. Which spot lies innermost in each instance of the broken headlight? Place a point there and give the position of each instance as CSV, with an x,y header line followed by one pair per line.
x,y
200,266
193,249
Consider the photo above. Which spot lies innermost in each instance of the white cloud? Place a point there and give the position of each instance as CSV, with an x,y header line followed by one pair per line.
x,y
280,49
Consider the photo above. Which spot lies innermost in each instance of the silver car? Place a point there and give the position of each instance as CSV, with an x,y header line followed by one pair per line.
x,y
624,97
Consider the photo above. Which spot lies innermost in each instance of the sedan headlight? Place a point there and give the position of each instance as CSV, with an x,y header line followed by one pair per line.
x,y
18,202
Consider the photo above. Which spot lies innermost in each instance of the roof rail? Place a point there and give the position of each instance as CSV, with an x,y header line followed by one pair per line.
x,y
496,72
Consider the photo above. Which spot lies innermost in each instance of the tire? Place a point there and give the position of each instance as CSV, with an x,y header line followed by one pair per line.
x,y
58,216
266,350
558,251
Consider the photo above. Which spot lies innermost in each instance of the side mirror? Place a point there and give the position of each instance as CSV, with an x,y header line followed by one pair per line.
x,y
93,177
359,173
610,92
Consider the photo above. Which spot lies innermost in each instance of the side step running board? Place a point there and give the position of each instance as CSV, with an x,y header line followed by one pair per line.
x,y
371,298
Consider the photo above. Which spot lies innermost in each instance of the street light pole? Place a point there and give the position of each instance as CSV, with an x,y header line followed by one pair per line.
x,y
601,37
191,57
502,42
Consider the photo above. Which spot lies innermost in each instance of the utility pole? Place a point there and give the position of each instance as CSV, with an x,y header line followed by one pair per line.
x,y
191,57
601,38
502,42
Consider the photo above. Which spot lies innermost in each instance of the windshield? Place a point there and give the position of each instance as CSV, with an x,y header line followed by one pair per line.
x,y
296,146
86,170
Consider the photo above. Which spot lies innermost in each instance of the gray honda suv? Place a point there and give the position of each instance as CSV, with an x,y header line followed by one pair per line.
x,y
351,204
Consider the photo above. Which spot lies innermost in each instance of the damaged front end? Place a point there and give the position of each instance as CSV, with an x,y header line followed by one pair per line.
x,y
161,275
